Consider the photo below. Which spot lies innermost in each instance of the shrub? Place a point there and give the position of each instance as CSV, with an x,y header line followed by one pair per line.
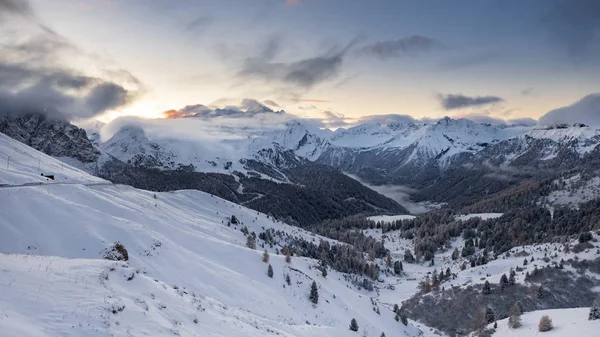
x,y
545,324
116,252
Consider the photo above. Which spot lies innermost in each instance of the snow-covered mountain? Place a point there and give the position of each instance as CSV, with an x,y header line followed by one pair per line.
x,y
189,272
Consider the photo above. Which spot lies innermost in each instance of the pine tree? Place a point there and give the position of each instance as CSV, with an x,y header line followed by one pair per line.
x,y
489,315
396,308
388,261
511,278
595,310
455,254
265,258
540,292
398,267
403,319
594,313
486,288
324,271
353,325
270,271
435,280
288,280
503,281
314,293
382,334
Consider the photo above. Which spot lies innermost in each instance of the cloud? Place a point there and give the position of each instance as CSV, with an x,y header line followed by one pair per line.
x,y
388,119
457,101
310,100
304,73
247,108
106,96
15,7
406,46
199,24
574,25
586,110
527,92
522,121
271,103
35,76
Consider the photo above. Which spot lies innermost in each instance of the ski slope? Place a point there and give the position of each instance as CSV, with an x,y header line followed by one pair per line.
x,y
54,282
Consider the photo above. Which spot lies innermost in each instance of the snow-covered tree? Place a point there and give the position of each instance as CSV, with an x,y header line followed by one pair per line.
x,y
265,257
270,271
353,325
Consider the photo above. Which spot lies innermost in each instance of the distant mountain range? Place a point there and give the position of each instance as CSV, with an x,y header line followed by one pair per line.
x,y
452,161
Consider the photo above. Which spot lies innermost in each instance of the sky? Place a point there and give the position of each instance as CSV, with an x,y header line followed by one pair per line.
x,y
330,59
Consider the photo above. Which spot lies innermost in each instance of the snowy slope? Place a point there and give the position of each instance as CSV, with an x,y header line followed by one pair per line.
x,y
20,164
175,240
567,322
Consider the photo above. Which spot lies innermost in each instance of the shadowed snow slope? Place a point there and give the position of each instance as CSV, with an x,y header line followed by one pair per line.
x,y
191,265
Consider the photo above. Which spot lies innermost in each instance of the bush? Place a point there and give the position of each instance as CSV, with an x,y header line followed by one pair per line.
x,y
545,324
116,252
585,237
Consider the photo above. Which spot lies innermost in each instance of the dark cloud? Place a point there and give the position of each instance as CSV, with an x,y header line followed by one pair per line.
x,y
304,73
457,101
586,110
106,96
35,77
15,7
405,46
575,25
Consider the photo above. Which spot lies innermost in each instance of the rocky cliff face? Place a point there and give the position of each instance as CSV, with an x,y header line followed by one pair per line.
x,y
54,137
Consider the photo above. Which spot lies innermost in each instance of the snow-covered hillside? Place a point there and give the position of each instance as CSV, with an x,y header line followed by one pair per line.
x,y
20,164
185,263
566,322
